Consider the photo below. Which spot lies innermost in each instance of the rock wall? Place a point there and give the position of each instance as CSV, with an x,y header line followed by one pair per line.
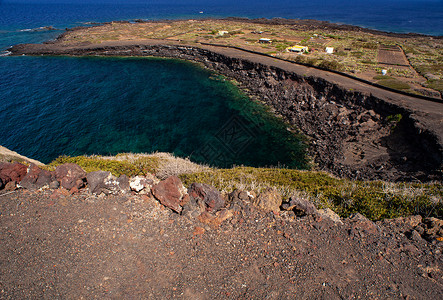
x,y
350,134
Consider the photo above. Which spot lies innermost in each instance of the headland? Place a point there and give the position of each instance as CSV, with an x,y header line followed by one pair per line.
x,y
356,128
155,226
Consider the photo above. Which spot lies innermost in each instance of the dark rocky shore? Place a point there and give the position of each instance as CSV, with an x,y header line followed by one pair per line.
x,y
354,130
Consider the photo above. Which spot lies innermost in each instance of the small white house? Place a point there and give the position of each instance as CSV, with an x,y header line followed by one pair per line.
x,y
222,32
264,41
329,50
298,49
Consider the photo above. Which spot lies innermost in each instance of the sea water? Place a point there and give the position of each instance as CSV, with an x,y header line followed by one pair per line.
x,y
50,106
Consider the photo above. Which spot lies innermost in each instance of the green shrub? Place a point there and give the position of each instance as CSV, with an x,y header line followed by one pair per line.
x,y
436,84
376,200
381,77
394,84
331,65
139,166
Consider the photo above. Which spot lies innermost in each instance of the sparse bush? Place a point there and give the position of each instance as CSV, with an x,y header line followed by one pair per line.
x,y
375,200
331,65
394,84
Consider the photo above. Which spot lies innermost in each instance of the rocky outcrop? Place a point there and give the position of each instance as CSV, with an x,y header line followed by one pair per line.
x,y
205,203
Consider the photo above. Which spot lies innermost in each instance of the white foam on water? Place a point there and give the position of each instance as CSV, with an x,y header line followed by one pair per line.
x,y
5,53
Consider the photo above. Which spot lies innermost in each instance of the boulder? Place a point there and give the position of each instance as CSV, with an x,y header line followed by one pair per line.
x,y
70,175
208,195
53,185
433,228
169,192
104,182
12,172
361,223
11,186
241,195
269,200
36,178
300,206
141,184
329,214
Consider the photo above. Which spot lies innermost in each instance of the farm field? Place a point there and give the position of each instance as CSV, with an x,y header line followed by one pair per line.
x,y
412,63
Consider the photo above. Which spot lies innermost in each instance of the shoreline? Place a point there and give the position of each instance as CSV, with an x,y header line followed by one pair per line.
x,y
346,120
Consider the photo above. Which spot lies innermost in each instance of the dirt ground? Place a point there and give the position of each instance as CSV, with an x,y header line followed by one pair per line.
x,y
83,246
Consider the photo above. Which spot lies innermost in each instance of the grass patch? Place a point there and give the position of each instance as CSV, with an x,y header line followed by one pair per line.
x,y
435,84
382,77
375,200
394,84
140,166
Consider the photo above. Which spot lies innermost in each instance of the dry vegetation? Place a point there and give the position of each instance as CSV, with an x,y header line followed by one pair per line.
x,y
376,200
356,53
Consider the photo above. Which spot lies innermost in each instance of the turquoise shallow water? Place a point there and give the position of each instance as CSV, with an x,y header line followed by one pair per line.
x,y
74,106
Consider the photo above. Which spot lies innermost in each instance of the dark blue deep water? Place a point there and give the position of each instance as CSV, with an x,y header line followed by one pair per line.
x,y
51,106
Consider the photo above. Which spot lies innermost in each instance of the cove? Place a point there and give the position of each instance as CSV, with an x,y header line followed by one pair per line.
x,y
52,106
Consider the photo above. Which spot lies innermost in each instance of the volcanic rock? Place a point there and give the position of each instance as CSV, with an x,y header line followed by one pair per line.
x,y
269,200
363,224
36,178
70,175
104,182
12,172
11,186
169,193
300,206
207,194
329,214
140,184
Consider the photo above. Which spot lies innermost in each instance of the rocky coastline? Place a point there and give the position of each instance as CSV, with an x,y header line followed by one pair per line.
x,y
353,132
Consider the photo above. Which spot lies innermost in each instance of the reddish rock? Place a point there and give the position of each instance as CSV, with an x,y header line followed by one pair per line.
x,y
36,178
361,223
168,193
11,186
198,231
215,220
185,200
208,194
269,200
12,172
60,193
70,175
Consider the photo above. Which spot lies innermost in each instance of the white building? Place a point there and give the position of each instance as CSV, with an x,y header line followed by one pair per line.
x,y
329,50
264,41
298,49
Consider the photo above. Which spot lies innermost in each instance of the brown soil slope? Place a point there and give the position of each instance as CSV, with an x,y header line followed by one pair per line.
x,y
85,246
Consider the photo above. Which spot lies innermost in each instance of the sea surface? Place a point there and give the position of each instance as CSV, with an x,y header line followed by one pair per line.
x,y
51,106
